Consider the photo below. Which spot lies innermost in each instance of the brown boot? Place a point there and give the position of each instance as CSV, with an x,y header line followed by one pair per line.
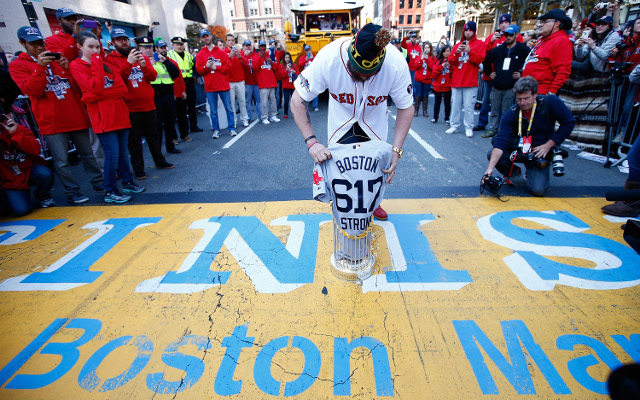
x,y
425,106
417,105
625,208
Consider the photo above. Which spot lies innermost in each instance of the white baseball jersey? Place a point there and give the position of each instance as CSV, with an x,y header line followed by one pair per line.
x,y
353,179
351,101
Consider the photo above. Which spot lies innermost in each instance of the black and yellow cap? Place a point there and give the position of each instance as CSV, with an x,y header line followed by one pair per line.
x,y
367,49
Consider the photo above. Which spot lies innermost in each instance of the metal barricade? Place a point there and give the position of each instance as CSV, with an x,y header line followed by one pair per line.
x,y
623,125
29,121
352,259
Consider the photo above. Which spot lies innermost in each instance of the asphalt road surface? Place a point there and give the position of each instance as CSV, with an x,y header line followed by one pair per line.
x,y
271,163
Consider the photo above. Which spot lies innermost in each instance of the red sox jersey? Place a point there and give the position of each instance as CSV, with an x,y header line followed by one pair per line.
x,y
351,101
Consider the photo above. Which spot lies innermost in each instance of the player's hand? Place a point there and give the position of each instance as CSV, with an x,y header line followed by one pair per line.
x,y
319,153
392,168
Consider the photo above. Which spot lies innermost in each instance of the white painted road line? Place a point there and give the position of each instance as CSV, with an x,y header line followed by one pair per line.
x,y
423,143
235,139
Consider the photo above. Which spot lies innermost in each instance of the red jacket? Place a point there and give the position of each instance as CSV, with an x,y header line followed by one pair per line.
x,y
631,54
140,98
465,67
287,77
250,76
236,74
550,62
414,50
19,152
279,55
103,94
303,62
54,94
63,43
423,68
441,78
214,80
267,71
179,86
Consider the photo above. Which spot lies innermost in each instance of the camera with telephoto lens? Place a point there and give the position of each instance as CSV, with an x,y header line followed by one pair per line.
x,y
558,161
617,70
491,184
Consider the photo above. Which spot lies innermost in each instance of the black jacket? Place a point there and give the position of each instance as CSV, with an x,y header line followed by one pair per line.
x,y
494,61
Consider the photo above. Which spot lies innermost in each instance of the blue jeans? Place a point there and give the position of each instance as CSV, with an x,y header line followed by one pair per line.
x,y
287,93
19,201
634,161
421,89
413,78
314,103
483,119
116,156
252,92
225,96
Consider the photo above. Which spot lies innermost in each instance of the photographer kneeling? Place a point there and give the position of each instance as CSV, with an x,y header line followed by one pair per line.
x,y
528,128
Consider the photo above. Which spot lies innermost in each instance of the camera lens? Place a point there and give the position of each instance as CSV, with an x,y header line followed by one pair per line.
x,y
558,164
542,163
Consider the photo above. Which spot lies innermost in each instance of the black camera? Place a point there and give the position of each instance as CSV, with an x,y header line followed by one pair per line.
x,y
617,70
491,184
558,161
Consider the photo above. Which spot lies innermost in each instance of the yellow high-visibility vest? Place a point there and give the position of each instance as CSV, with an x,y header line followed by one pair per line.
x,y
163,75
185,64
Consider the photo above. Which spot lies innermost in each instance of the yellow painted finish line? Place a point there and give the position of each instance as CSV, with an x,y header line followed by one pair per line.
x,y
470,298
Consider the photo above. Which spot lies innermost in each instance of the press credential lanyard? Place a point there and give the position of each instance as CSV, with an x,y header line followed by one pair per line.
x,y
525,142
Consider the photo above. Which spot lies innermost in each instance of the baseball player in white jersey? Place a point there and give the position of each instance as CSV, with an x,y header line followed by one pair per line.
x,y
360,73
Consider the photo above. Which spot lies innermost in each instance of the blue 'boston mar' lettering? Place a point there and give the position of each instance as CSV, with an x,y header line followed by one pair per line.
x,y
517,372
225,385
22,231
616,264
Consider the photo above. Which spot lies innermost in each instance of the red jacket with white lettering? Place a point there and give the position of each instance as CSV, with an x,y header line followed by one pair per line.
x,y
214,80
267,71
140,98
63,43
550,62
441,79
19,152
236,74
103,93
465,67
287,77
303,62
414,51
423,68
54,113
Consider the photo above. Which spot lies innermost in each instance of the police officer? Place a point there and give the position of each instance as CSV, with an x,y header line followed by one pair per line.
x,y
186,62
163,88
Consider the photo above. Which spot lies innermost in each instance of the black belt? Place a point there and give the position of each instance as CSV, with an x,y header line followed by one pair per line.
x,y
355,134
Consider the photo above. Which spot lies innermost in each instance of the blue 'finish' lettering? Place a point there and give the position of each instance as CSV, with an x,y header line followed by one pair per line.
x,y
631,345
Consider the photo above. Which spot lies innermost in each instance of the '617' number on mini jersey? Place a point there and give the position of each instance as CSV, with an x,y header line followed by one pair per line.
x,y
345,198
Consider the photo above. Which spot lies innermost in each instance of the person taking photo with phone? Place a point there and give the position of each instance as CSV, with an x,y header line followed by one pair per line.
x,y
54,95
65,42
103,92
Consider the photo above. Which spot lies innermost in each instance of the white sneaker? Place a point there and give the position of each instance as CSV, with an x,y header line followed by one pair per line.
x,y
233,133
274,119
245,123
316,110
216,134
266,121
468,132
451,130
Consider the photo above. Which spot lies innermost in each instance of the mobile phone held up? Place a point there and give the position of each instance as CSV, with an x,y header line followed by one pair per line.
x,y
87,23
156,57
54,55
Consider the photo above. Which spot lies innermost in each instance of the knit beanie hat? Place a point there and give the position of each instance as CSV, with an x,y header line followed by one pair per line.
x,y
367,49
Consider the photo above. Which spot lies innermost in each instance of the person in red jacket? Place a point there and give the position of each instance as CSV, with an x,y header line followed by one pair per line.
x,y
303,62
549,62
138,73
65,42
442,84
236,79
252,90
54,97
21,168
103,92
414,50
424,69
267,71
288,74
465,60
214,65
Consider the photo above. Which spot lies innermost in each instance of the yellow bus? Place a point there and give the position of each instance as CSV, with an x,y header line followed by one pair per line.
x,y
319,24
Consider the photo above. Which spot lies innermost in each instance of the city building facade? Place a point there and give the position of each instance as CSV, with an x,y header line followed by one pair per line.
x,y
256,19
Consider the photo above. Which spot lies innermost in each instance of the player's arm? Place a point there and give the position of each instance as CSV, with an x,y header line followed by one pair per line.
x,y
400,131
300,110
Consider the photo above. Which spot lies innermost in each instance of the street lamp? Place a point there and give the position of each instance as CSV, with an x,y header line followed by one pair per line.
x,y
263,31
